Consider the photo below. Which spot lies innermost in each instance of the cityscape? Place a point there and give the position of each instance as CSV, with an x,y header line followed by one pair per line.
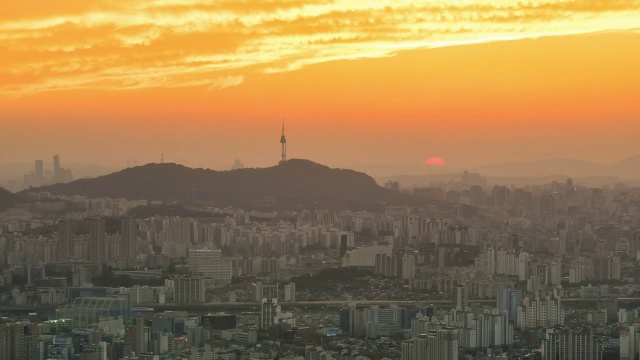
x,y
320,180
473,271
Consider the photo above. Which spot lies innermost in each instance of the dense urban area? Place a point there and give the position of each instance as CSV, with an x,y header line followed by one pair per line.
x,y
475,271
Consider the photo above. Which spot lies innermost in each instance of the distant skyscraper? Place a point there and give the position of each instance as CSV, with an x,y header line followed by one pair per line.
x,y
129,237
39,172
57,170
65,239
283,141
460,297
547,206
95,248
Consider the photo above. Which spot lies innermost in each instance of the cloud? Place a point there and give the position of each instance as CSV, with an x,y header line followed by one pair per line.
x,y
172,43
227,81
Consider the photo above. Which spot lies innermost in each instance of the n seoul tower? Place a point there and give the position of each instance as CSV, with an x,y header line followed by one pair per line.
x,y
283,141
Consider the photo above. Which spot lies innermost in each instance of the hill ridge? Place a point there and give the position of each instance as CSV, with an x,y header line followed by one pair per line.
x,y
295,183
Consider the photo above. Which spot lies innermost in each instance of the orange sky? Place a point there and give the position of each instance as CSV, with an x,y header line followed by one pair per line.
x,y
206,82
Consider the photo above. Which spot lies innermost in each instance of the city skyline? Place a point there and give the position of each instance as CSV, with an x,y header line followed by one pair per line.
x,y
320,180
472,83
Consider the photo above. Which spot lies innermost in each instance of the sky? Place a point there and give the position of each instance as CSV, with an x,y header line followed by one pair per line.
x,y
206,82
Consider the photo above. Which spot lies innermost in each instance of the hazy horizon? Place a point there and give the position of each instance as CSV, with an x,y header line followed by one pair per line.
x,y
354,83
404,167
380,171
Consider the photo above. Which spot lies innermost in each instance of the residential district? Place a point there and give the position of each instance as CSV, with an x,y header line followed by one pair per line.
x,y
538,272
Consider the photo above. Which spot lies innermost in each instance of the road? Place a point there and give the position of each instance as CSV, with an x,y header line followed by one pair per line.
x,y
214,307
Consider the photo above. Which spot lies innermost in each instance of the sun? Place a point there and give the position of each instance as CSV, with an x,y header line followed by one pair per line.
x,y
436,161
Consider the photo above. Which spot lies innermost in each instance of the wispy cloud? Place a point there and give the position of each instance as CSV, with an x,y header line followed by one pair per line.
x,y
112,45
227,81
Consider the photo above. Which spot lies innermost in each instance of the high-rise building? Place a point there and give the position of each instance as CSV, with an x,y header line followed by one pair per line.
x,y
352,320
143,336
560,343
129,238
189,290
210,264
541,312
290,292
448,343
96,245
60,174
460,297
547,206
264,291
19,341
504,299
66,235
441,344
344,242
39,172
555,274
57,170
629,343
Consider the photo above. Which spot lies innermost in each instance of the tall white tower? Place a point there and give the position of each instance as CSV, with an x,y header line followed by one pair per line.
x,y
283,141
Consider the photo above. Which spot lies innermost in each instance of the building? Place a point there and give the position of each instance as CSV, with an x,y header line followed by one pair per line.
x,y
66,236
210,264
39,172
265,291
365,256
441,344
96,245
129,238
504,301
219,321
385,321
290,292
189,290
629,344
541,311
60,174
142,336
84,311
562,343
19,341
460,297
352,320
142,295
57,170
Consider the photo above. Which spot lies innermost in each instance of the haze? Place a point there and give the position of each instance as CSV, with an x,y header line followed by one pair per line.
x,y
205,83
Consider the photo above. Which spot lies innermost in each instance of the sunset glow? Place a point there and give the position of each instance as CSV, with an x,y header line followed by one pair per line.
x,y
436,161
512,71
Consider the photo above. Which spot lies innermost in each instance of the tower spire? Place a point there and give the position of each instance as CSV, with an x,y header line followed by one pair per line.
x,y
283,142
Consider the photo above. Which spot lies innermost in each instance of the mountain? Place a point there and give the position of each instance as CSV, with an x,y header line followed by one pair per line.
x,y
296,183
559,166
7,199
628,168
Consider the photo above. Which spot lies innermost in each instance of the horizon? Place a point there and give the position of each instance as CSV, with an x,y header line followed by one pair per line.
x,y
500,174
